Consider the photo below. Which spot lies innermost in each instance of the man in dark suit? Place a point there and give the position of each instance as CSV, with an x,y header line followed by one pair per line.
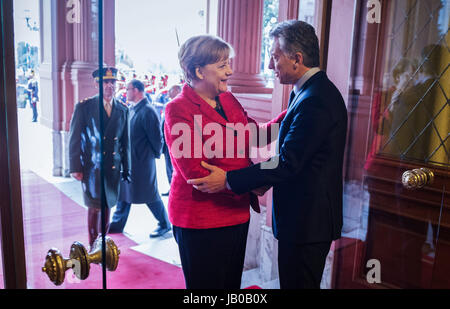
x,y
145,147
306,175
84,149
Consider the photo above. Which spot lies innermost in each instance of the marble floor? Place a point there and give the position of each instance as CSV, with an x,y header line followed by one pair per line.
x,y
36,155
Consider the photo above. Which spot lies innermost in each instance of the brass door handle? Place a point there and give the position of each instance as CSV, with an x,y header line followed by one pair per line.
x,y
417,178
80,261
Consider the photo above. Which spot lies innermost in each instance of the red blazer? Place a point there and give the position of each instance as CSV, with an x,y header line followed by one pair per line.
x,y
188,207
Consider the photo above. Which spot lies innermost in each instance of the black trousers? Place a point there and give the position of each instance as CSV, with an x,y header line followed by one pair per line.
x,y
169,166
212,258
301,266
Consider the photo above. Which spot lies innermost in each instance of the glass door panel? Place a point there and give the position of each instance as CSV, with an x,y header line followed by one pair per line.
x,y
397,168
56,47
441,270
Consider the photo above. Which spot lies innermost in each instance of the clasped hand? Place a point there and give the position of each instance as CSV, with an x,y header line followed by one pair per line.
x,y
216,181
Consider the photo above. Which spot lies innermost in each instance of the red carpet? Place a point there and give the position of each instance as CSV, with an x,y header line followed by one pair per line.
x,y
51,219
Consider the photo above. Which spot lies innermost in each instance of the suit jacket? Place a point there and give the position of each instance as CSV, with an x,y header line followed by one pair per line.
x,y
307,179
186,117
84,149
145,147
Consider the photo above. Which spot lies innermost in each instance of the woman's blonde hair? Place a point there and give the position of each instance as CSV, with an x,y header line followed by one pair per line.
x,y
200,51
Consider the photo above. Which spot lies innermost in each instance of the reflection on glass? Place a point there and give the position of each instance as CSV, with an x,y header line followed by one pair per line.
x,y
50,78
402,89
414,112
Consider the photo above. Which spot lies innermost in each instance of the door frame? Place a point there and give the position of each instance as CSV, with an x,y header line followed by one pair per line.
x,y
11,218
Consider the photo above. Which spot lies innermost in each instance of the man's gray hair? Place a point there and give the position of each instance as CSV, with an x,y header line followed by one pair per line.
x,y
298,36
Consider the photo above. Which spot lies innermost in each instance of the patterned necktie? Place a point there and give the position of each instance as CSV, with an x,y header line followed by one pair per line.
x,y
108,108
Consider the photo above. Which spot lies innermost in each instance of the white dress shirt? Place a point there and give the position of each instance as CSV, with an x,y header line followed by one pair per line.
x,y
298,86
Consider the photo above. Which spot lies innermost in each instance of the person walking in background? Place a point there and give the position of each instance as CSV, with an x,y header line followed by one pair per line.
x,y
33,90
84,149
173,92
145,147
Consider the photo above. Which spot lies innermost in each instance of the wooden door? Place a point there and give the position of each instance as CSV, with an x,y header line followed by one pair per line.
x,y
400,119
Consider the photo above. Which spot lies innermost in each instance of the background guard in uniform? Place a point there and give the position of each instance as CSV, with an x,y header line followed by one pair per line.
x,y
84,149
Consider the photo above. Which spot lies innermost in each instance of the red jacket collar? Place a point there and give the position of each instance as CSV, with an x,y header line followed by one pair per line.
x,y
229,105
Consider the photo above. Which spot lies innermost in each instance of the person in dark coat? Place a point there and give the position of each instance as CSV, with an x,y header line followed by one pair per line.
x,y
146,145
33,89
84,149
174,91
306,175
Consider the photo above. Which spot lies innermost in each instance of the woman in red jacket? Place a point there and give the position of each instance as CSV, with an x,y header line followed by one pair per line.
x,y
202,124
